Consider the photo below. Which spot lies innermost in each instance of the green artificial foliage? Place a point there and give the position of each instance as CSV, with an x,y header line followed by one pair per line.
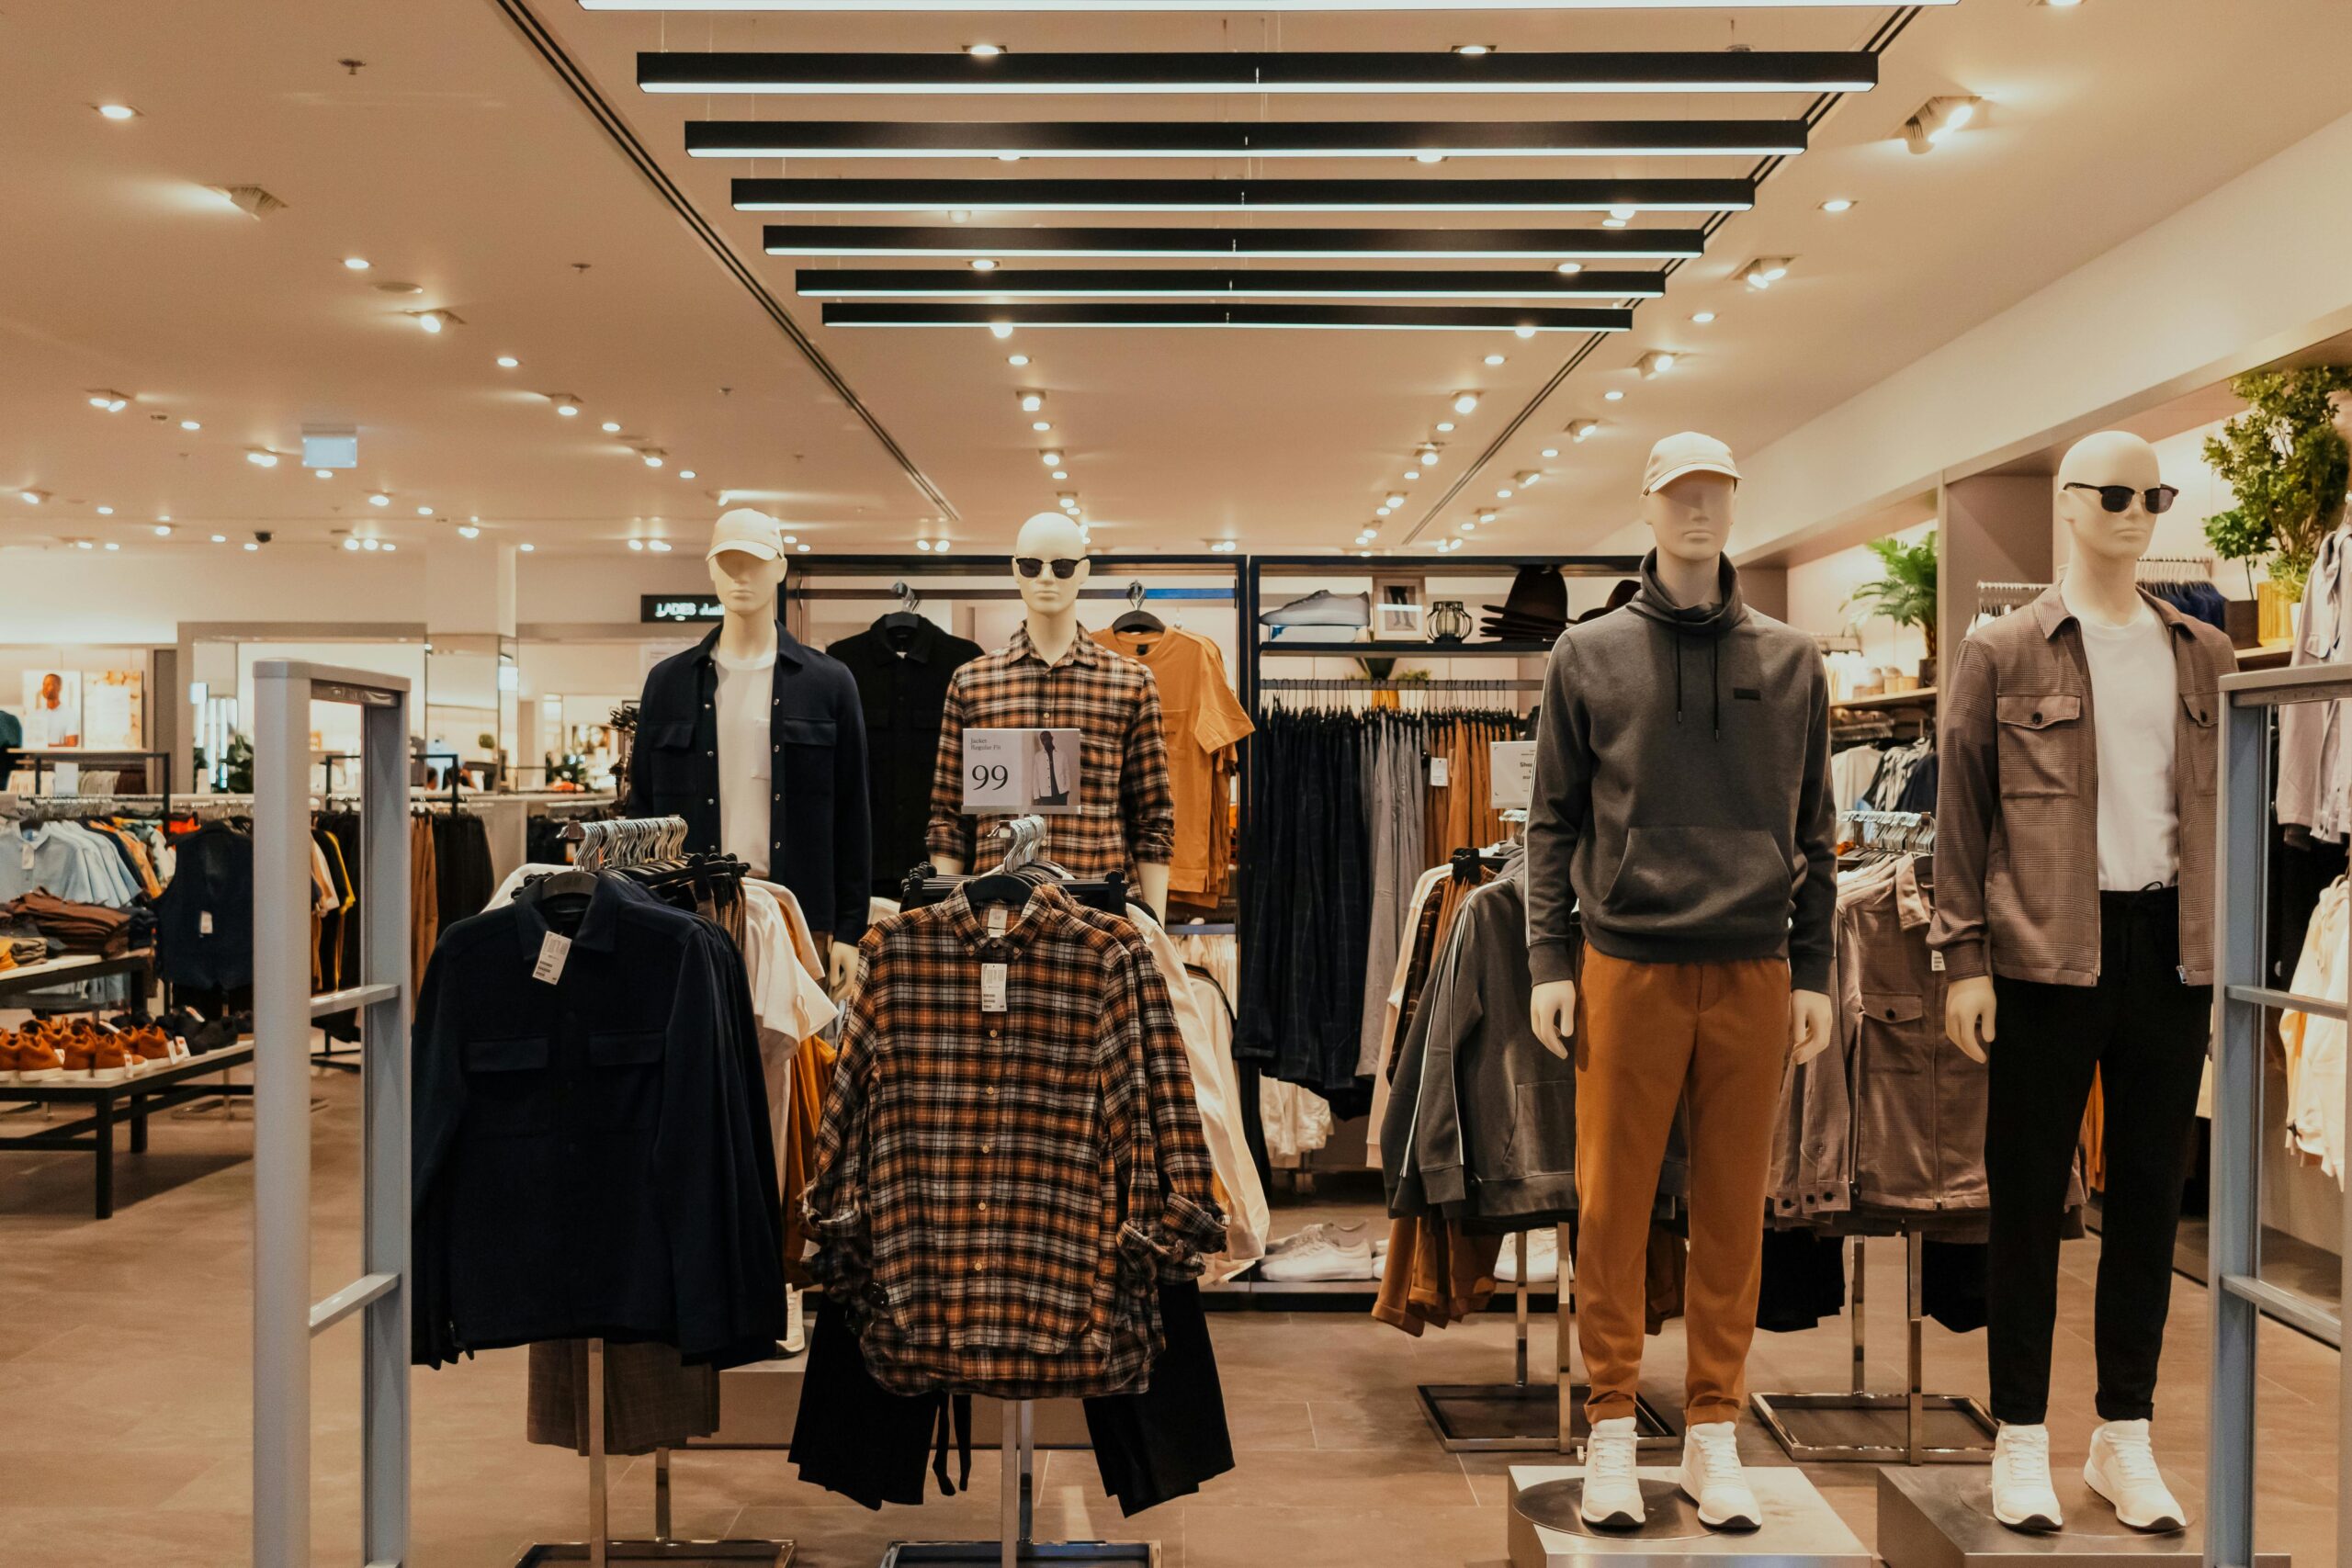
x,y
2236,536
1906,594
2285,463
236,774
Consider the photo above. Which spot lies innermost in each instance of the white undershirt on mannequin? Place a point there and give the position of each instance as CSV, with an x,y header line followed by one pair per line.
x,y
746,689
2134,704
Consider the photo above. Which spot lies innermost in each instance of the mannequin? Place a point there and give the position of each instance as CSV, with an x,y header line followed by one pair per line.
x,y
2085,719
1704,966
1111,697
760,743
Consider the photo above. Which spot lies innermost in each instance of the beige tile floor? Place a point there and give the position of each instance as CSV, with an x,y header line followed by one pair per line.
x,y
124,1411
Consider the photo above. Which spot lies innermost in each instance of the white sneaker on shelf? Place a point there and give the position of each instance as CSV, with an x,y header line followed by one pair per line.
x,y
1318,1258
2122,1469
2023,1498
1711,1478
1542,1259
1612,1486
1307,1235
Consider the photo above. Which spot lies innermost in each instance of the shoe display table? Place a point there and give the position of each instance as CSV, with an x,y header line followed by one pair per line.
x,y
1943,1518
1799,1531
160,1088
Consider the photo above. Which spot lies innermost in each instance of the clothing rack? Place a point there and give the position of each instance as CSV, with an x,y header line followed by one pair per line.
x,y
2174,569
1996,598
1516,683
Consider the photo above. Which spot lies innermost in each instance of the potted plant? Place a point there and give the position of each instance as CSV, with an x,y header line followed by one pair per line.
x,y
1906,594
2236,536
2287,467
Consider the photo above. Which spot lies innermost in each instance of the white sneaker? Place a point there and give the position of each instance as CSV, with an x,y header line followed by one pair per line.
x,y
2023,1498
1318,1258
1612,1487
1712,1479
1307,1235
1542,1259
2122,1469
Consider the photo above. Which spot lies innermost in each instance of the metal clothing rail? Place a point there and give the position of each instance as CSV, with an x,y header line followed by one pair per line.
x,y
286,1320
2240,1295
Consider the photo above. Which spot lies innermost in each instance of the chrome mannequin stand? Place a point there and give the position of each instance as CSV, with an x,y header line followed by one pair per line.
x,y
1016,1524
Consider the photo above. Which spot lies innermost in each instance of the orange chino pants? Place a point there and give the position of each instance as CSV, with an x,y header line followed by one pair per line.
x,y
1648,1035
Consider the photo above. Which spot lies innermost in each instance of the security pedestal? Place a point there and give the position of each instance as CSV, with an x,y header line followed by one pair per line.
x,y
1943,1518
1800,1529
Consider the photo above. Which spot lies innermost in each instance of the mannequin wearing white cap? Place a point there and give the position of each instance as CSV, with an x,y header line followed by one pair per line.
x,y
747,568
1051,632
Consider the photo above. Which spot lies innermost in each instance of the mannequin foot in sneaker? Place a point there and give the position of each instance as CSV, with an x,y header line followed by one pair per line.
x,y
2122,1469
1612,1490
2023,1498
1711,1477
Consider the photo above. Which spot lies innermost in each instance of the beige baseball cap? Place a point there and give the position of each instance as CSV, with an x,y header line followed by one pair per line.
x,y
753,533
1687,453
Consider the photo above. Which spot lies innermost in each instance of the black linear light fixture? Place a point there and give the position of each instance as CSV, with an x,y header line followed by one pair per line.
x,y
1243,196
1426,318
1007,7
1246,138
1208,283
826,75
1219,245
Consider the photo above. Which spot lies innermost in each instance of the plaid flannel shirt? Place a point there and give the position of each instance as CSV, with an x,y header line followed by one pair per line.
x,y
1127,811
997,1195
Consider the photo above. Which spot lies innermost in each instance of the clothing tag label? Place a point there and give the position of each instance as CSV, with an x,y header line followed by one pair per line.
x,y
1015,773
992,987
554,951
1510,771
204,923
1440,772
1936,962
996,921
28,846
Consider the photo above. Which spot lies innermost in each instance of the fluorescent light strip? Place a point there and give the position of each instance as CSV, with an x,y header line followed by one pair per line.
x,y
1358,318
1245,138
1242,196
827,75
1186,283
1226,245
1115,7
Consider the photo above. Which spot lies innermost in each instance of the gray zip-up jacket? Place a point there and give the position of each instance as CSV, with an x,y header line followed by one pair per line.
x,y
1682,795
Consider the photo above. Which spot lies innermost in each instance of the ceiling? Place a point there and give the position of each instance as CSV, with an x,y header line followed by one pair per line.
x,y
457,157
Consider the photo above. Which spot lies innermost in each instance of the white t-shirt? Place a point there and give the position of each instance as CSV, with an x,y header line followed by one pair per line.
x,y
2135,702
746,692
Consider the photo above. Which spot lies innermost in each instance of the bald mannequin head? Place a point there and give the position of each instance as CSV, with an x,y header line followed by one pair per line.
x,y
2109,457
1049,536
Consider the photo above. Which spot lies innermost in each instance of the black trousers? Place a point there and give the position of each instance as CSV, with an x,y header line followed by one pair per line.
x,y
2145,1032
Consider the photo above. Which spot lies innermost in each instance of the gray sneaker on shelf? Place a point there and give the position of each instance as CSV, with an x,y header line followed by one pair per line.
x,y
1317,1258
1308,1236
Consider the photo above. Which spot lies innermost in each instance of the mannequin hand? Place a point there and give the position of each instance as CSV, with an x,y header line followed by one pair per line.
x,y
1968,1015
841,966
1808,1025
1552,1010
1152,890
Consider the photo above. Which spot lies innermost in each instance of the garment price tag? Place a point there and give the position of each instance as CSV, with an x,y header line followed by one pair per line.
x,y
1936,962
992,987
66,778
1441,773
204,922
1511,769
1015,773
554,951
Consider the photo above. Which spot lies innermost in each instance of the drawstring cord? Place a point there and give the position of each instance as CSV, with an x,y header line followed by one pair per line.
x,y
1715,669
1678,675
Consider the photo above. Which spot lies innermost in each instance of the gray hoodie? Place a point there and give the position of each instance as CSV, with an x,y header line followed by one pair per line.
x,y
1682,792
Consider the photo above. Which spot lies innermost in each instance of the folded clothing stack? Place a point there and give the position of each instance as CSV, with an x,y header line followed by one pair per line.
x,y
83,928
21,942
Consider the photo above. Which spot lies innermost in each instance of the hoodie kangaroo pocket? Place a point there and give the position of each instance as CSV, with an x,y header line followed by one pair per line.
x,y
1724,881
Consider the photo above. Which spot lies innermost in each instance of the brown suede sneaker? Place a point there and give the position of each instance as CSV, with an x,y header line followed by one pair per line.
x,y
151,1045
28,1058
96,1057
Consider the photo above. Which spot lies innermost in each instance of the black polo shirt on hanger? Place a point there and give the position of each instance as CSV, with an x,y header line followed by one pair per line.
x,y
903,692
819,831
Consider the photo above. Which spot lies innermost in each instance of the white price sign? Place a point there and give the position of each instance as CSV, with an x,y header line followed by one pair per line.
x,y
1510,765
1016,773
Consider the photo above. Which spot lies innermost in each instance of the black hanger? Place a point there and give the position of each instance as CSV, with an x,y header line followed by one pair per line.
x,y
1137,618
998,887
899,625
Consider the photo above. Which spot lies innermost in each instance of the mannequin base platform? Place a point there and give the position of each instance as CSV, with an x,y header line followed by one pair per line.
x,y
990,1553
1799,1531
678,1553
1512,1418
1877,1428
1943,1518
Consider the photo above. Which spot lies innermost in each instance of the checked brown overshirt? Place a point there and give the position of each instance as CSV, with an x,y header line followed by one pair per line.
x,y
997,1195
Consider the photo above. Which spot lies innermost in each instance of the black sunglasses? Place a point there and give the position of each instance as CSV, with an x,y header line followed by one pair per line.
x,y
1030,566
2115,498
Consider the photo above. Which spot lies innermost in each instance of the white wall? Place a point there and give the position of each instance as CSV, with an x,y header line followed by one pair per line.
x,y
1818,592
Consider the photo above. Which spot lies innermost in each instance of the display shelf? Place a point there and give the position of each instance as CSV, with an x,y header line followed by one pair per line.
x,y
1403,650
160,1088
1924,697
74,966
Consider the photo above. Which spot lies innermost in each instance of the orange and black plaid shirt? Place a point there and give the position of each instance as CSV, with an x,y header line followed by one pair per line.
x,y
1127,811
997,1195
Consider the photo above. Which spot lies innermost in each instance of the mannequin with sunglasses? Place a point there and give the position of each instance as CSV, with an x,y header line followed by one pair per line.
x,y
1053,676
2076,821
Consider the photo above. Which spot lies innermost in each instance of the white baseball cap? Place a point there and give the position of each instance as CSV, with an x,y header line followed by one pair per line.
x,y
753,533
1687,453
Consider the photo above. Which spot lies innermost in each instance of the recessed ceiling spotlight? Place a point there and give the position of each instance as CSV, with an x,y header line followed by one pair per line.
x,y
612,427
685,473
1764,271
652,460
1031,401
1394,499
508,362
1428,457
636,545
792,538
1612,223
1581,428
1061,473
190,424
424,512
565,404
1474,49
1469,528
83,545
1041,425
261,458
802,549
1381,511
1657,361
1613,396
467,531
1569,269
1936,121
108,401
1225,546
371,545
1502,493
1016,360
349,543
1412,473
1839,204
923,544
1001,329
1550,452
355,264
220,539
112,546
1522,332
658,547
1466,402
1051,459
1445,425
323,473
251,546
526,547
106,511
983,264
984,50
380,499
1494,359
434,320
163,530
116,111
1704,317
1525,477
